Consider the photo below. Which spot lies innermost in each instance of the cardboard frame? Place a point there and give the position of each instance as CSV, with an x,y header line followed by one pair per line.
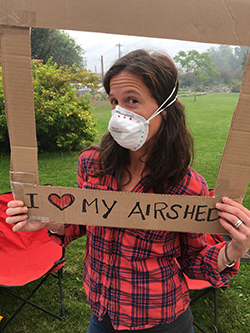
x,y
222,22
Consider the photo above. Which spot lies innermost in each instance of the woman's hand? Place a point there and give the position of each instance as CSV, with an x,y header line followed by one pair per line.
x,y
235,218
18,216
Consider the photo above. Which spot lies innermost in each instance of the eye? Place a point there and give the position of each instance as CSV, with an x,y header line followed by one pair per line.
x,y
113,101
133,100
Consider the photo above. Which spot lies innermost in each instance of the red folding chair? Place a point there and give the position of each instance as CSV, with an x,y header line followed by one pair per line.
x,y
205,287
26,257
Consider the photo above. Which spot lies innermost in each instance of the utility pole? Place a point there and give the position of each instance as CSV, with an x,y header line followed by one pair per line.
x,y
85,62
119,50
102,67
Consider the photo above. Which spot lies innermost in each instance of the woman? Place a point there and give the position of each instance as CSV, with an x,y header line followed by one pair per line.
x,y
134,278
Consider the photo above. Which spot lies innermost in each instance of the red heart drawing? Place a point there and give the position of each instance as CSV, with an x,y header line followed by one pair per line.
x,y
62,202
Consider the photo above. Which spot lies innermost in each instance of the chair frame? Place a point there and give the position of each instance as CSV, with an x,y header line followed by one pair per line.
x,y
202,294
53,272
214,290
56,271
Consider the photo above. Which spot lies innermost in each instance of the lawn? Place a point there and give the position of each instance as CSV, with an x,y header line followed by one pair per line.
x,y
209,119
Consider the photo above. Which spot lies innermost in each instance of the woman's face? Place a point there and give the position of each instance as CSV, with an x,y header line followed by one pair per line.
x,y
129,92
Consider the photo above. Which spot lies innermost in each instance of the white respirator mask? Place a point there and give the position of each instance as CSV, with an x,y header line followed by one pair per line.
x,y
129,129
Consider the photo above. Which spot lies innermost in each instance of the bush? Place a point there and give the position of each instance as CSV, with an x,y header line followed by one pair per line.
x,y
4,138
200,89
63,121
235,87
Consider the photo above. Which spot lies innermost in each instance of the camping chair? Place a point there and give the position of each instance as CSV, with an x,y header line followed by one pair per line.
x,y
205,287
26,257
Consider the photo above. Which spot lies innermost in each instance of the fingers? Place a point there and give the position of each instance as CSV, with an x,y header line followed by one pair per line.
x,y
238,234
16,211
17,218
232,205
232,212
236,220
15,203
19,226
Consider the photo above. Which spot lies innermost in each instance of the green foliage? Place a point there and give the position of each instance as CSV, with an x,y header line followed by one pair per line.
x,y
244,58
198,65
67,51
55,44
186,80
228,57
62,119
4,138
235,87
225,76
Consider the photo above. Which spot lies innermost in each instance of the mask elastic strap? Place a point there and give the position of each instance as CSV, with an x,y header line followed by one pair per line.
x,y
159,110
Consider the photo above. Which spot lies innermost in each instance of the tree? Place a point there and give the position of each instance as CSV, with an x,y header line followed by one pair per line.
x,y
241,52
226,76
186,79
56,44
244,58
224,56
228,57
198,65
63,121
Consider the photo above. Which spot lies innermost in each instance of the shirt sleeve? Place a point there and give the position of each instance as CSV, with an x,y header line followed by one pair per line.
x,y
199,260
72,231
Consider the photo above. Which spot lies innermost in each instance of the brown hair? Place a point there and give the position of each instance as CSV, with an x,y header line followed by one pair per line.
x,y
172,149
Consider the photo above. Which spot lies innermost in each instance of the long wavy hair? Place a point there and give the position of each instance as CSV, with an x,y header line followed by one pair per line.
x,y
172,148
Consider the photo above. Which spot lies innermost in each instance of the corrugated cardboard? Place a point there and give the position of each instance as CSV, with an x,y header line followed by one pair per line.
x,y
125,210
222,22
234,173
211,21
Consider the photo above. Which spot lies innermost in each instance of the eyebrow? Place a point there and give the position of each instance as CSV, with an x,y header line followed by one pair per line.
x,y
128,92
132,92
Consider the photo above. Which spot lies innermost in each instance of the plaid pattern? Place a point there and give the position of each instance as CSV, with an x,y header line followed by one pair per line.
x,y
133,274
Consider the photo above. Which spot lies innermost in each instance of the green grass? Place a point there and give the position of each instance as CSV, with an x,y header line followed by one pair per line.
x,y
4,172
102,111
209,119
55,168
58,169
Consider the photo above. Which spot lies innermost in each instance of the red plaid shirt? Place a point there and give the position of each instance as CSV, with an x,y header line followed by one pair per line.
x,y
133,274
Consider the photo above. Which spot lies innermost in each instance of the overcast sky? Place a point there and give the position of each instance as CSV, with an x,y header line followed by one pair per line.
x,y
101,44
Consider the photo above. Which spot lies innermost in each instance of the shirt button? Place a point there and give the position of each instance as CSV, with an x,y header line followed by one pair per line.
x,y
110,261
